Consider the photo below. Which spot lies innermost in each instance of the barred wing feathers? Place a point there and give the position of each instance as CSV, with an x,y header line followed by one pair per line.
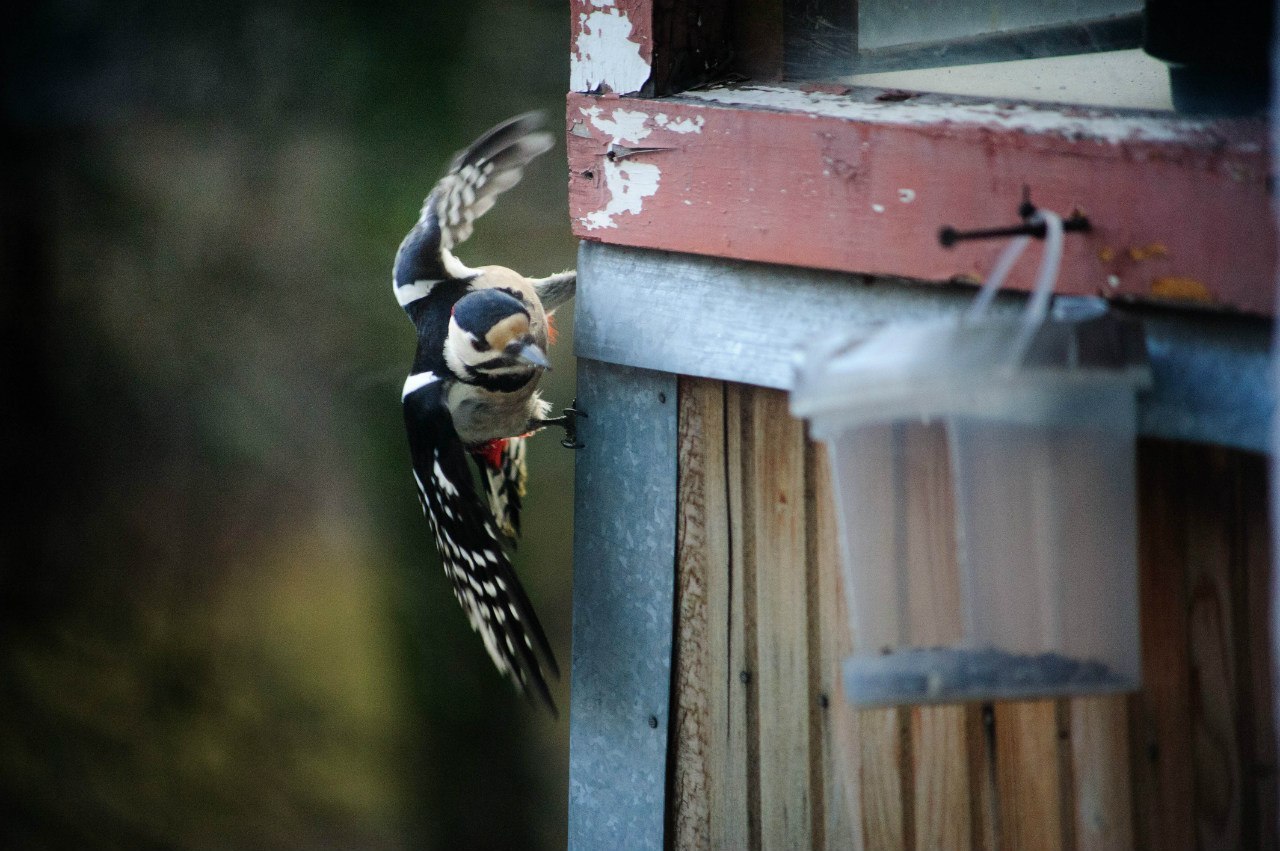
x,y
474,561
478,175
503,469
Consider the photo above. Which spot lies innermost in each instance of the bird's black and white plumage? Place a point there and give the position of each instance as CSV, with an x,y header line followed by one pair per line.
x,y
482,339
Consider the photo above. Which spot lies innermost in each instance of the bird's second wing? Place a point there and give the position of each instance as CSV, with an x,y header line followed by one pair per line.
x,y
465,534
502,466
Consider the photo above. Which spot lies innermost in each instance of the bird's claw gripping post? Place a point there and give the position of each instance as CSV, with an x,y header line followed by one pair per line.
x,y
568,420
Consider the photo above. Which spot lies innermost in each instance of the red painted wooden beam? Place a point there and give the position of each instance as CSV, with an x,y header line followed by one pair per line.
x,y
843,180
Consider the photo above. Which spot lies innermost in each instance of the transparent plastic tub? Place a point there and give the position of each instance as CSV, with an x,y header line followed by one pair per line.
x,y
984,476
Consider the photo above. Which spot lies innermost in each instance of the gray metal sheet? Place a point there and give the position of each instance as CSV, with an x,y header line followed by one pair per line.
x,y
623,606
740,321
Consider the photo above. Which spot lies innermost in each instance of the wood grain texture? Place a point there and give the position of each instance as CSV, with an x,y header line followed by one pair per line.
x,y
764,761
1160,717
776,469
984,799
1100,772
886,787
1252,578
943,814
691,44
757,39
839,722
699,690
934,607
1212,633
741,758
1029,775
864,189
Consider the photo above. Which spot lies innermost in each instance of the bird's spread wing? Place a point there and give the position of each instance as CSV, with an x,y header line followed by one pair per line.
x,y
502,466
483,579
490,166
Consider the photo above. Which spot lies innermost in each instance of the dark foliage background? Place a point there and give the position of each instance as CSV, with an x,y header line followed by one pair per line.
x,y
222,623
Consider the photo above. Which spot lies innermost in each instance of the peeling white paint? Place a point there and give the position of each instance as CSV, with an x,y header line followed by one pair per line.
x,y
605,55
877,208
1089,124
627,182
622,125
906,196
680,125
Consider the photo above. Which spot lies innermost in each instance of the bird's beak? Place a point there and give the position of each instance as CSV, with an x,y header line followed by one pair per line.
x,y
531,353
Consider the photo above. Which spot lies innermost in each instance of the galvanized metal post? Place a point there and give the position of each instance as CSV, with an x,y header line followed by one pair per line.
x,y
623,607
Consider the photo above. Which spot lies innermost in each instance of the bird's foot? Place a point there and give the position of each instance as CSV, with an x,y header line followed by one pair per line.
x,y
568,420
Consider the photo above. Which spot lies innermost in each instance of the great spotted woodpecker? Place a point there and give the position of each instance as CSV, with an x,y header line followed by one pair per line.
x,y
482,340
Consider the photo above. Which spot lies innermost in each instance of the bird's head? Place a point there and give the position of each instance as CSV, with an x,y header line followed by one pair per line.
x,y
490,335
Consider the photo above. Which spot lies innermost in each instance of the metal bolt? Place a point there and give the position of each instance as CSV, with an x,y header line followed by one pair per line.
x,y
653,722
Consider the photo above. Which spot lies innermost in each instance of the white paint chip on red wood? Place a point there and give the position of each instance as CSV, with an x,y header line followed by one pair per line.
x,y
606,54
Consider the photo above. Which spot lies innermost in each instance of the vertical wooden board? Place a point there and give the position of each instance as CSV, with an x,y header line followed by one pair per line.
x,y
700,665
1029,775
934,616
1160,716
941,776
757,38
1211,625
776,475
886,787
934,610
984,798
1254,578
838,736
735,807
1100,759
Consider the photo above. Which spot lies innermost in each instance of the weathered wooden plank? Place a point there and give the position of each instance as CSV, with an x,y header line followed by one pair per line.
x,y
736,810
1160,716
1252,576
980,744
838,723
941,775
887,792
1029,775
757,38
934,616
1102,789
700,664
646,48
934,611
612,46
1211,623
1073,773
850,183
775,469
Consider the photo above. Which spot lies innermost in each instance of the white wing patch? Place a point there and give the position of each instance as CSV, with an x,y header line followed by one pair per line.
x,y
416,382
410,293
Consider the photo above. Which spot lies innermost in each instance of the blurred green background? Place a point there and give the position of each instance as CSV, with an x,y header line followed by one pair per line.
x,y
224,624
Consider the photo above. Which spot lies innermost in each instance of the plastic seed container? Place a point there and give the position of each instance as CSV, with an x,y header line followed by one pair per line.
x,y
984,477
